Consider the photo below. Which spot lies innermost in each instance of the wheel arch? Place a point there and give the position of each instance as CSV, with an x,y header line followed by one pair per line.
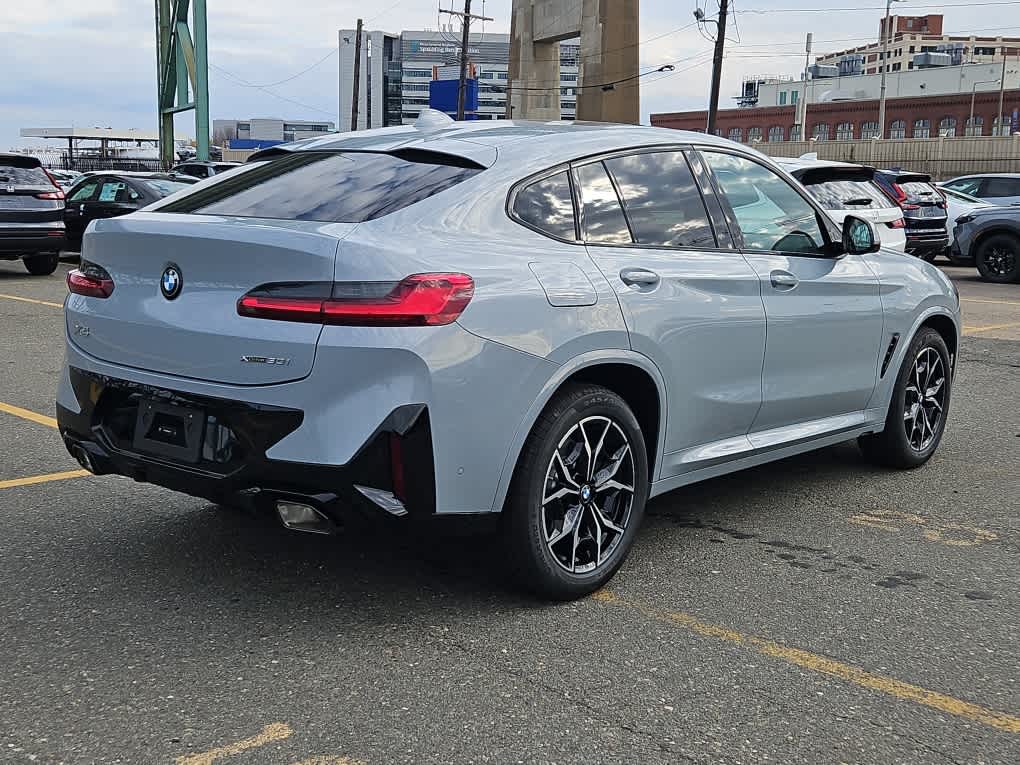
x,y
982,236
630,375
946,327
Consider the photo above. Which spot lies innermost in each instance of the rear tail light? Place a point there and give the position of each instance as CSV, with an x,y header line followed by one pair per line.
x,y
898,223
57,193
90,280
417,301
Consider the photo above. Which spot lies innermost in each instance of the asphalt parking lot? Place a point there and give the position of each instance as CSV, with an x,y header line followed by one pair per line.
x,y
816,610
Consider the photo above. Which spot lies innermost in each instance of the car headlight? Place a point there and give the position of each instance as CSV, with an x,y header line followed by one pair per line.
x,y
964,219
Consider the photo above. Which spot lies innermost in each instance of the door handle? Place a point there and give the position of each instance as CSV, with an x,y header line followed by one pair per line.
x,y
783,280
639,277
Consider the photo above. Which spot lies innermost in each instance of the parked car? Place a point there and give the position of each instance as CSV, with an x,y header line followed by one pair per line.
x,y
457,318
31,214
845,189
957,205
109,194
997,188
990,237
197,168
924,211
65,178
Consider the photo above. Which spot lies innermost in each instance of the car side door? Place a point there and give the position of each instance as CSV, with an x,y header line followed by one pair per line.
x,y
823,308
80,196
690,300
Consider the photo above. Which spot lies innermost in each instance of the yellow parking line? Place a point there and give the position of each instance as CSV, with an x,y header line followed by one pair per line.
x,y
25,414
272,732
32,480
31,300
975,330
994,302
815,663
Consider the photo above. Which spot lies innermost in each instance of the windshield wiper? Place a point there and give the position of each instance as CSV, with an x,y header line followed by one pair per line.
x,y
857,201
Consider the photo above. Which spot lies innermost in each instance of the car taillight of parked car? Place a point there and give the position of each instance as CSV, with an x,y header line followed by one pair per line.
x,y
417,301
898,223
90,280
57,192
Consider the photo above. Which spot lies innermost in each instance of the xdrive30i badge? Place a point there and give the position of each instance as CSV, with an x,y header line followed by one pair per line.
x,y
273,360
171,282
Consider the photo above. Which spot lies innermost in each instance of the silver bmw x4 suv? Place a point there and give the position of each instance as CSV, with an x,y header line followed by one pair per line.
x,y
554,322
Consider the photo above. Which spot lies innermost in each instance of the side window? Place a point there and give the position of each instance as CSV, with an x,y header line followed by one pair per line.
x,y
1001,187
113,191
966,186
661,199
548,206
603,216
771,215
85,192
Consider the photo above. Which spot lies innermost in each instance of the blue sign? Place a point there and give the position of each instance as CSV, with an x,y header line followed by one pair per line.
x,y
443,96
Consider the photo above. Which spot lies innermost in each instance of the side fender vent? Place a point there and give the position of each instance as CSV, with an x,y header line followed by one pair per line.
x,y
893,342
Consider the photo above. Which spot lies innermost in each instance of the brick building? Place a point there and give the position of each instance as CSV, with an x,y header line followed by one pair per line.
x,y
923,117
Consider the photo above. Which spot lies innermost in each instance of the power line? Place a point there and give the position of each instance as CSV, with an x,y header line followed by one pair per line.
x,y
877,7
332,52
245,83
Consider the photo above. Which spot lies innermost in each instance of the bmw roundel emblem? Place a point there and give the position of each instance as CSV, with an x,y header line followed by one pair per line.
x,y
171,282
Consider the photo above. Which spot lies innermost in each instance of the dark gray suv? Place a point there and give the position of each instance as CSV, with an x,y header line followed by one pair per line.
x,y
31,214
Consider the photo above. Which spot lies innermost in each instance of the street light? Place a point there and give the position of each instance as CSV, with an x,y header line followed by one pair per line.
x,y
887,33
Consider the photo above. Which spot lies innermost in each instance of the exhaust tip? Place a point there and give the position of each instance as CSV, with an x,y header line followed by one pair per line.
x,y
79,453
298,516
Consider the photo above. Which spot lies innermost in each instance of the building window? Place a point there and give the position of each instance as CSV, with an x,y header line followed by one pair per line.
x,y
845,131
754,135
820,132
975,125
869,130
984,51
782,98
910,65
947,127
776,134
418,73
910,23
896,67
922,128
794,96
897,129
795,133
736,134
910,49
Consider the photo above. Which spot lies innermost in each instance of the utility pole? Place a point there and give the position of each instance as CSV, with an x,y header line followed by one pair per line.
x,y
356,90
884,64
1002,92
802,107
720,41
466,18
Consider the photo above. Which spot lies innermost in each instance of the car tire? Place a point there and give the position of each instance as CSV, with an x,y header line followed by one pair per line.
x,y
555,488
43,264
929,256
909,438
998,259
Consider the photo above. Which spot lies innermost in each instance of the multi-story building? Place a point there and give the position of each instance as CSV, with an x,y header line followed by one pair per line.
x,y
268,130
396,70
916,35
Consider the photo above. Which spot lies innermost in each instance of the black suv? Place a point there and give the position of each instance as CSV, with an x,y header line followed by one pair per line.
x,y
924,210
31,214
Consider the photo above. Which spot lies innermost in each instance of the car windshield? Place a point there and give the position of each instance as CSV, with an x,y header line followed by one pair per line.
x,y
849,195
165,187
332,187
15,171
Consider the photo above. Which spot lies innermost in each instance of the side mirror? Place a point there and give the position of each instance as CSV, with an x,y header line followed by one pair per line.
x,y
859,236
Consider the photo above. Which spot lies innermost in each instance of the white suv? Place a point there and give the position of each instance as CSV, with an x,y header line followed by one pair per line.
x,y
846,189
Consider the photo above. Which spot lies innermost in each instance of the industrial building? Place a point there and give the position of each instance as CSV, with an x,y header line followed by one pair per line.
x,y
396,69
252,132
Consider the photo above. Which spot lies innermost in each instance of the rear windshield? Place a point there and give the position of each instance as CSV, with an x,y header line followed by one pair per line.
x,y
849,195
920,189
164,187
333,187
15,171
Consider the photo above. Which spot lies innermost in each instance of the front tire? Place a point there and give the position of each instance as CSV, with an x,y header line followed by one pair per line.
x,y
919,407
578,494
43,264
998,259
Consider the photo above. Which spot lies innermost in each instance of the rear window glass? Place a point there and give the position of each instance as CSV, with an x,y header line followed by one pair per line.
x,y
548,206
331,187
15,171
849,195
920,189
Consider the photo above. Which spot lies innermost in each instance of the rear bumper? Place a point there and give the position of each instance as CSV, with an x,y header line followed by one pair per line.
x,y
921,241
232,463
18,241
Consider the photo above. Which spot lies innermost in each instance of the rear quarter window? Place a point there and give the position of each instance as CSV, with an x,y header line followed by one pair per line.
x,y
329,187
548,205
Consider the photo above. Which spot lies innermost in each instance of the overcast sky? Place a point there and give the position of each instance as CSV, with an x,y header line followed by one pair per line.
x,y
92,62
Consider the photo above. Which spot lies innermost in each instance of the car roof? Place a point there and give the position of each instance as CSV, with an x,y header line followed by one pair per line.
x,y
4,155
800,162
527,145
206,162
983,175
142,174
